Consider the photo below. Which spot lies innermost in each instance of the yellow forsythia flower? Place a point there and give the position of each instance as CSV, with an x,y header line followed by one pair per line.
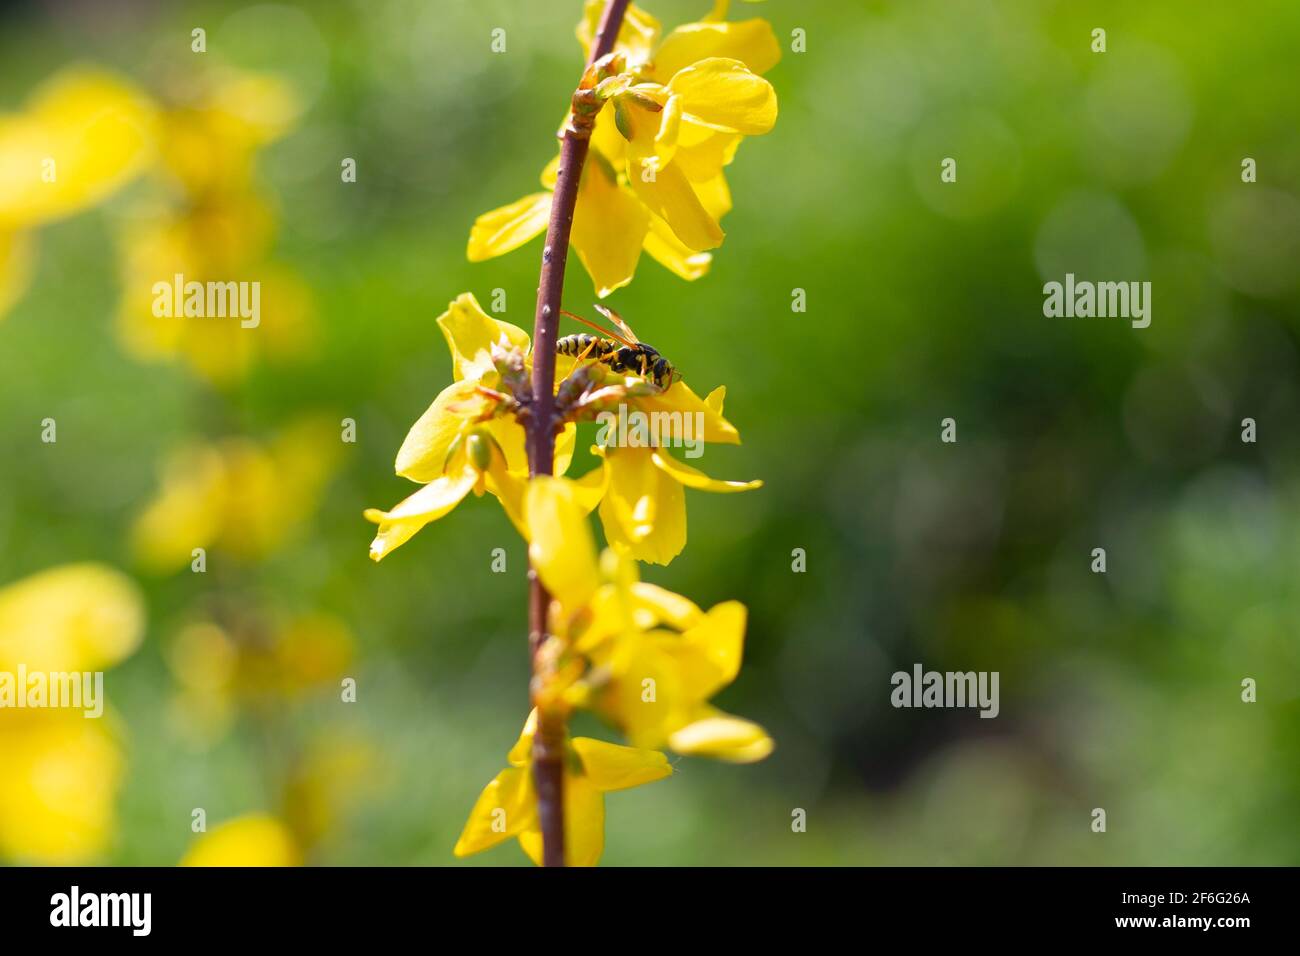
x,y
252,840
654,175
507,807
59,771
643,506
464,442
653,657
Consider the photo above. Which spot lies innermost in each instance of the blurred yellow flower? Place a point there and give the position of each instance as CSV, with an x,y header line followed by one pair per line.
x,y
467,440
507,807
213,133
255,661
210,222
83,135
252,840
59,771
652,658
658,686
61,774
673,117
74,617
237,495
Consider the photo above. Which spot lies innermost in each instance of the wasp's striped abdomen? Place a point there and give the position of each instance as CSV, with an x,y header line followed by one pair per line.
x,y
595,347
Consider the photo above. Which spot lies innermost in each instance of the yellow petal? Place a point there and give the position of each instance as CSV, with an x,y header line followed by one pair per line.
x,y
668,194
75,617
651,134
615,767
551,173
521,753
252,840
724,737
423,454
608,617
505,808
694,478
715,398
750,41
560,543
709,652
590,488
430,503
507,228
715,194
680,398
609,227
644,510
724,94
509,488
703,160
584,825
669,131
669,251
565,441
470,333
646,699
665,607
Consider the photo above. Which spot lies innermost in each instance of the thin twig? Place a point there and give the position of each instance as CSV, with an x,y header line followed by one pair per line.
x,y
548,742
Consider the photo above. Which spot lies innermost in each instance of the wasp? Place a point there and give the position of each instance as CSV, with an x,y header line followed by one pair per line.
x,y
622,353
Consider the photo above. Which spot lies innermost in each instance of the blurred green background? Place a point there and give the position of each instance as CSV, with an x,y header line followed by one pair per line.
x,y
924,301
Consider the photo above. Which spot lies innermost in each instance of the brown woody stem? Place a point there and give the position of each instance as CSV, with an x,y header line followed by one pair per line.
x,y
548,742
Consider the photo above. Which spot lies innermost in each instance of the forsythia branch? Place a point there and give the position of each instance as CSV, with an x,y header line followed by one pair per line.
x,y
548,744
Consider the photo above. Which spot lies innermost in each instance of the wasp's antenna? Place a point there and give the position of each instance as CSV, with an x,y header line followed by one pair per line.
x,y
603,331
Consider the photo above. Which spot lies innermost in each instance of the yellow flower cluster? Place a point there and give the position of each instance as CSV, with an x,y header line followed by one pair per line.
x,y
646,660
673,116
643,658
469,440
60,772
663,119
210,223
86,133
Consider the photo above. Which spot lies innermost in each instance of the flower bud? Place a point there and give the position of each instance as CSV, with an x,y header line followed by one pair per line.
x,y
480,450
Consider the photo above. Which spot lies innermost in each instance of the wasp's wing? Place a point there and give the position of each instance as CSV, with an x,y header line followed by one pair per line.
x,y
602,330
619,323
